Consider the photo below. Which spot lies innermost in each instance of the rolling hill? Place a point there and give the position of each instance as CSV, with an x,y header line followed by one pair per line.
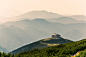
x,y
79,17
62,50
3,50
65,20
41,44
46,15
26,31
32,15
40,14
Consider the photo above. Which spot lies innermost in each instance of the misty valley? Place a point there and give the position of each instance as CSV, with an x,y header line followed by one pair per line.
x,y
31,35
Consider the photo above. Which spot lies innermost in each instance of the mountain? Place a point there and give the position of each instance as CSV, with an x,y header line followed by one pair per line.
x,y
32,15
41,44
19,36
3,50
26,31
71,49
74,33
65,20
79,17
62,50
40,14
45,15
13,37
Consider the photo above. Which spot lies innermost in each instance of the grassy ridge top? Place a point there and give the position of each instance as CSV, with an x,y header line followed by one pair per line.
x,y
41,44
62,50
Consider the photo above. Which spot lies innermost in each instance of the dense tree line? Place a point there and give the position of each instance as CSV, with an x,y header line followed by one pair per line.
x,y
3,54
62,50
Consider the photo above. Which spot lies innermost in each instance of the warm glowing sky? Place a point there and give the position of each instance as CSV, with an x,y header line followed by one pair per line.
x,y
16,7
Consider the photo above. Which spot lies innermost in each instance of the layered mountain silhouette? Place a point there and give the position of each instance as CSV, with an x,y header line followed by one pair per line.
x,y
65,20
79,17
36,25
3,49
40,14
32,15
52,41
43,14
25,31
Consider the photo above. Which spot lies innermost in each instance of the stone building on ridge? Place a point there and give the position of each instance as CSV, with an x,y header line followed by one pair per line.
x,y
57,36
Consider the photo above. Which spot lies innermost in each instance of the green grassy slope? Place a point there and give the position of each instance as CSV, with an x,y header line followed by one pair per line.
x,y
41,44
82,54
62,50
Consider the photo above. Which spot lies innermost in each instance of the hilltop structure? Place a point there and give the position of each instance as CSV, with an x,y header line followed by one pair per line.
x,y
55,40
57,36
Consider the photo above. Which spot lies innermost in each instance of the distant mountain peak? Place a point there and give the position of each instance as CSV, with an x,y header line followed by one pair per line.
x,y
39,11
40,14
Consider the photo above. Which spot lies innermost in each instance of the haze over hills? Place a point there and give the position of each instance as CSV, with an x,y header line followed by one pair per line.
x,y
29,24
18,37
3,49
42,14
25,31
32,15
73,33
65,20
79,17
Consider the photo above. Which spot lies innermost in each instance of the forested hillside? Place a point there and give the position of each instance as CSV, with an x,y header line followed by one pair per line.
x,y
62,50
82,54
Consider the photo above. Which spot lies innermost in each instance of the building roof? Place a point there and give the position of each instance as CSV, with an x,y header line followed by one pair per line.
x,y
55,34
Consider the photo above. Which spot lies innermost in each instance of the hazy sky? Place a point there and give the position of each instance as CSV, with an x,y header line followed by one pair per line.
x,y
17,7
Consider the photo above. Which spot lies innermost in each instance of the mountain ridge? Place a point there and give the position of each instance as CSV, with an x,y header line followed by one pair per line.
x,y
41,14
67,20
3,50
41,44
25,31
